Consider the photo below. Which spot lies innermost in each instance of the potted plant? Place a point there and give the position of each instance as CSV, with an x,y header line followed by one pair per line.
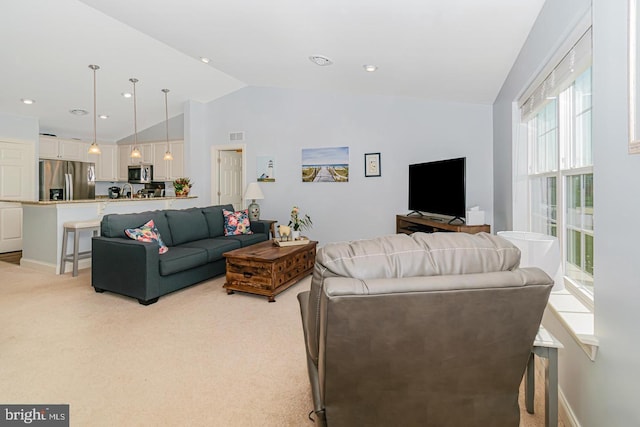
x,y
182,186
299,222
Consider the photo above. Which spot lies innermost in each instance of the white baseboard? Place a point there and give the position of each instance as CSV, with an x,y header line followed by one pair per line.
x,y
564,411
47,267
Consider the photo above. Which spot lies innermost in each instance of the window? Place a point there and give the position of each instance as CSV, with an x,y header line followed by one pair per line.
x,y
557,115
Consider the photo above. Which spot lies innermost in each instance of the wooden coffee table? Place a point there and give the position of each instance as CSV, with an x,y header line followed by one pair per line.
x,y
267,269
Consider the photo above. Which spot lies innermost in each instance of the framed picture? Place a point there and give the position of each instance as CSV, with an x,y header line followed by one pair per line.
x,y
325,164
634,78
372,164
266,168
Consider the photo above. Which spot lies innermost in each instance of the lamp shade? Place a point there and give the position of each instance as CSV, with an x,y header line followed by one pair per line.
x,y
253,192
538,250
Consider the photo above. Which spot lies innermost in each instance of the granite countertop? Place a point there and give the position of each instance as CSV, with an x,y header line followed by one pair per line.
x,y
98,199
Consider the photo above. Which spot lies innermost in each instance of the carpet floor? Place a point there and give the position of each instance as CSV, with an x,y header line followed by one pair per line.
x,y
197,357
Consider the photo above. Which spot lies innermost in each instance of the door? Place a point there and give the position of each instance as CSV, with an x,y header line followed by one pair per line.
x,y
230,178
17,182
52,182
82,177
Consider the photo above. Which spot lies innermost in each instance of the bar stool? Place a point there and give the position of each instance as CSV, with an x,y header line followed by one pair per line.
x,y
76,227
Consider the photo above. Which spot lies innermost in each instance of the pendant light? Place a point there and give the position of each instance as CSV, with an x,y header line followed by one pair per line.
x,y
135,151
94,148
167,154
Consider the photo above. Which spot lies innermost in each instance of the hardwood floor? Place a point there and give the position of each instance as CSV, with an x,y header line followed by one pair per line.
x,y
12,257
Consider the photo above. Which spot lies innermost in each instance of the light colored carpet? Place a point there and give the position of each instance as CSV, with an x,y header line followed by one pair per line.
x,y
197,357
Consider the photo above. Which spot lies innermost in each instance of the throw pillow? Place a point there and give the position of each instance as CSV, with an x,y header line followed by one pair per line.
x,y
236,222
147,233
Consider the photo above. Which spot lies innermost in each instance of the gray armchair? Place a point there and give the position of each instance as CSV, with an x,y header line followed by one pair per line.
x,y
421,330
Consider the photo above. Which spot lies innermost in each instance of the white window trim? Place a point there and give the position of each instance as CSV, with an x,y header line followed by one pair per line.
x,y
577,318
574,306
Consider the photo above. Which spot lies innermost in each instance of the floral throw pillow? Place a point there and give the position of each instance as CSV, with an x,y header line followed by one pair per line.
x,y
147,233
236,222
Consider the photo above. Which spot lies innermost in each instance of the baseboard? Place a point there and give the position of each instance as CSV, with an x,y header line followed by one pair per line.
x,y
47,267
564,411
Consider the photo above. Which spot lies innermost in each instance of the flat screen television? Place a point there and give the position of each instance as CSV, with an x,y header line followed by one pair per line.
x,y
438,188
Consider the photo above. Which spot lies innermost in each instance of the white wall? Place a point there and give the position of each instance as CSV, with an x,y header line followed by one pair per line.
x,y
603,392
281,122
158,132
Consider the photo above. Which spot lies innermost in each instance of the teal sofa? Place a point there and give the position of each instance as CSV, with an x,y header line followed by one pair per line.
x,y
196,242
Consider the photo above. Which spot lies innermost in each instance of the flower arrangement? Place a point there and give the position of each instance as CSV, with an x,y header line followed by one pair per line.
x,y
182,186
299,223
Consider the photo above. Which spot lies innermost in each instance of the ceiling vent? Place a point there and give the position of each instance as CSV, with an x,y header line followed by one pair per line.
x,y
320,60
236,136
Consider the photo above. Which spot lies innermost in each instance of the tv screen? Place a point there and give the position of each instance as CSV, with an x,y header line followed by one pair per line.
x,y
438,187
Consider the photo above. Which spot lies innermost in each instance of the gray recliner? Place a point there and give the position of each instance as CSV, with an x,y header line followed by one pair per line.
x,y
421,330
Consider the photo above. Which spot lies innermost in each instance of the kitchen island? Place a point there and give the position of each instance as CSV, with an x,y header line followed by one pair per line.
x,y
42,224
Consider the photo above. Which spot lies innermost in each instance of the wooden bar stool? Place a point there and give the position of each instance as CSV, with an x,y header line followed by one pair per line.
x,y
76,227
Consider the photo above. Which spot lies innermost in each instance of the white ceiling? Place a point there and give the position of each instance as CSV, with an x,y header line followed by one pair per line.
x,y
454,50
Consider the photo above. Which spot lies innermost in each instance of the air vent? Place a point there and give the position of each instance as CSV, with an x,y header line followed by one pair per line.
x,y
320,60
236,136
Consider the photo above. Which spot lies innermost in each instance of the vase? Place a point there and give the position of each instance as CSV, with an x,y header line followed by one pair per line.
x,y
182,193
295,234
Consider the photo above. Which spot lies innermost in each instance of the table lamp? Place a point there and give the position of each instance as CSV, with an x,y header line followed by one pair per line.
x,y
254,193
538,250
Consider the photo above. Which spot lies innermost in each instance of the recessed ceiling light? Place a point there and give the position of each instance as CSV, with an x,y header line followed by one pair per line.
x,y
103,116
79,112
370,68
320,60
28,101
205,59
126,94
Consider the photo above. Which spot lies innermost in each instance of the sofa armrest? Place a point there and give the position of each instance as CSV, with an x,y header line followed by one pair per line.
x,y
260,226
125,266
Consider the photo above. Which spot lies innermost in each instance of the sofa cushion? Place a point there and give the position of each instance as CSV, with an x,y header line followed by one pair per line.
x,y
181,258
215,219
421,254
236,223
147,233
187,225
248,239
113,225
214,247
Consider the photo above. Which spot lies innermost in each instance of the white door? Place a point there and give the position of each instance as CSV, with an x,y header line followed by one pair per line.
x,y
17,182
230,178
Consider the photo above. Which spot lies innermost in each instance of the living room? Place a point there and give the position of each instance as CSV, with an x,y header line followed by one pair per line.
x,y
282,122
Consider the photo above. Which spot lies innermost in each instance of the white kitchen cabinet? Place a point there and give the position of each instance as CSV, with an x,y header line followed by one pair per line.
x,y
168,170
147,153
106,163
124,158
62,149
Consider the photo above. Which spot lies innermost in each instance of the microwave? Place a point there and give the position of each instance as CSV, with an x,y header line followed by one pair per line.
x,y
140,174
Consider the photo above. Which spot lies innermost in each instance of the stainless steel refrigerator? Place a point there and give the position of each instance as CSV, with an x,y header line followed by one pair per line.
x,y
67,180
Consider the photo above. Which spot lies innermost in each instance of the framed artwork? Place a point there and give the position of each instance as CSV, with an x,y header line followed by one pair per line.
x,y
265,168
325,164
372,165
634,78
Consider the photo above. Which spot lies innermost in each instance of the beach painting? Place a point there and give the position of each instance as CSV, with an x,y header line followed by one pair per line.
x,y
266,168
325,164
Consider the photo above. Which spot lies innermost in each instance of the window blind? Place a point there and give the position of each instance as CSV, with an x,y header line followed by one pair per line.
x,y
576,61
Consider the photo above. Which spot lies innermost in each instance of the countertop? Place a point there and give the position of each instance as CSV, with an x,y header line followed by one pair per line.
x,y
98,199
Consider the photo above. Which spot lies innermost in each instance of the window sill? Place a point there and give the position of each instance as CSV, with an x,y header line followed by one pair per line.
x,y
577,318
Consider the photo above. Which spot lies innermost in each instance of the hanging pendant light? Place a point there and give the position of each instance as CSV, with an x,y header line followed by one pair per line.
x,y
167,154
135,151
94,148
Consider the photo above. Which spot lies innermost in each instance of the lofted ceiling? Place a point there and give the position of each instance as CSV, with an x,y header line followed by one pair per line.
x,y
454,50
